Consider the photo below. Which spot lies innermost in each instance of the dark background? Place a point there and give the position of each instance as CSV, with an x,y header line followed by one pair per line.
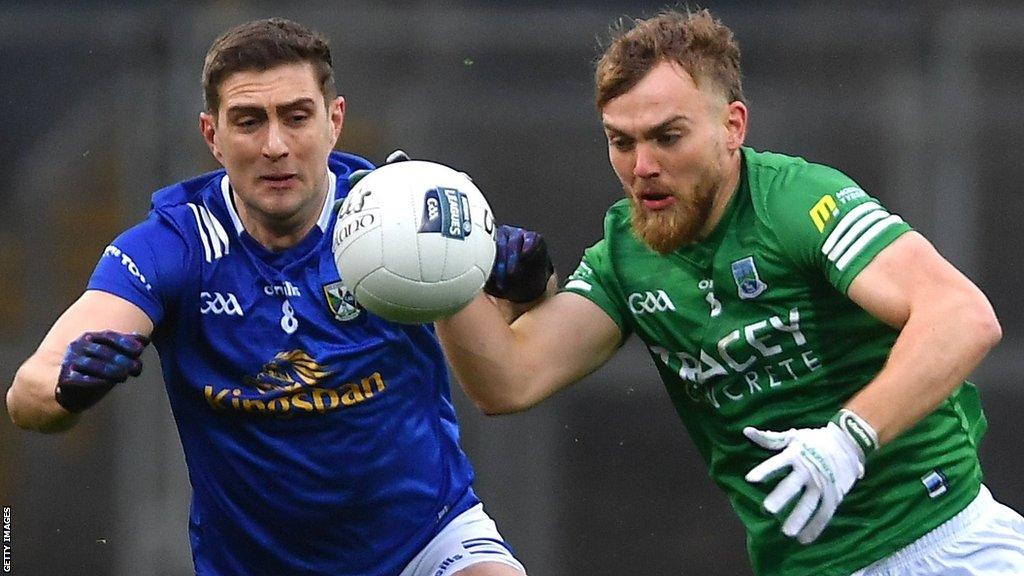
x,y
919,103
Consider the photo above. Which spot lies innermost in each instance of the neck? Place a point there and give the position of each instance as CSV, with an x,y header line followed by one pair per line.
x,y
275,235
723,192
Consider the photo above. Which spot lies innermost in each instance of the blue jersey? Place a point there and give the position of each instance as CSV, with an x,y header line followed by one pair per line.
x,y
319,438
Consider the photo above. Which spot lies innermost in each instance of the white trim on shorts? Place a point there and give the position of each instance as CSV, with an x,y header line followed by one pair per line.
x,y
470,538
985,538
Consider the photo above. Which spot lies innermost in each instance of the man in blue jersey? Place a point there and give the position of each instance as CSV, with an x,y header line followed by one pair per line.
x,y
319,439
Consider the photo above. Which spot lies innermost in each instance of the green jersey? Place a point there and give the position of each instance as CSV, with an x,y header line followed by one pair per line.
x,y
752,327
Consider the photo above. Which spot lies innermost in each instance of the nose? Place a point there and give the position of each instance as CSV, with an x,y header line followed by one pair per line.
x,y
274,146
645,164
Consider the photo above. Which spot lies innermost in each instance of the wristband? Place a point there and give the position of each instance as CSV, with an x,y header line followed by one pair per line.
x,y
862,434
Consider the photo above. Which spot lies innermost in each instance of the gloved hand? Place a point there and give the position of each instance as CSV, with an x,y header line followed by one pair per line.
x,y
396,156
95,363
522,265
824,463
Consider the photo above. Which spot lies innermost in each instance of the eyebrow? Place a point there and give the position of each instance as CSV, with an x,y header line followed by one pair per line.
x,y
653,130
239,109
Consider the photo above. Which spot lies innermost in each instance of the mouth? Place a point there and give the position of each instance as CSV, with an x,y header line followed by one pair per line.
x,y
654,200
279,178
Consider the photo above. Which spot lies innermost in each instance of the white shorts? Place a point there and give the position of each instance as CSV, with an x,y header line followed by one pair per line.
x,y
470,538
985,539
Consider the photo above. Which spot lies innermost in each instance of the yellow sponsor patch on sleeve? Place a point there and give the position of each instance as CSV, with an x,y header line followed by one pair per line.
x,y
823,211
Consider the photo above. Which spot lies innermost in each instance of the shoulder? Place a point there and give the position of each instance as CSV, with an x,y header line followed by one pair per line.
x,y
146,265
792,191
818,216
342,164
618,244
196,201
181,193
618,219
197,211
339,161
774,177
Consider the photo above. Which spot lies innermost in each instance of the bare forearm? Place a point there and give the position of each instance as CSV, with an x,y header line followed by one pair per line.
x,y
480,346
106,333
936,350
508,368
30,399
485,353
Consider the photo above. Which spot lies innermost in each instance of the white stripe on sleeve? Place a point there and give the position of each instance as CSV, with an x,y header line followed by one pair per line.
x,y
865,239
844,224
200,228
854,232
215,241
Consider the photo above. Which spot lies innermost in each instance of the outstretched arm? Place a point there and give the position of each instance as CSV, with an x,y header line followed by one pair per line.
x,y
510,367
31,399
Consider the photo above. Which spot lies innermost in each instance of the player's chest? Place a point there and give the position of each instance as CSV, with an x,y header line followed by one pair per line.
x,y
234,297
741,298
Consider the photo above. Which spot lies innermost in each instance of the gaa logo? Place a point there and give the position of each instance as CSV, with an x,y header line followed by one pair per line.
x,y
650,302
217,304
446,211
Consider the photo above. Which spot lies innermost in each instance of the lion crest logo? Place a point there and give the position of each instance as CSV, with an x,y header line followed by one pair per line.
x,y
288,371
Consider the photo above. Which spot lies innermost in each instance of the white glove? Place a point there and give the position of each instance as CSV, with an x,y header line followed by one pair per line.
x,y
824,463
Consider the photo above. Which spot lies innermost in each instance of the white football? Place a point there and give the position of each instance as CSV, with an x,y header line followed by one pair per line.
x,y
414,241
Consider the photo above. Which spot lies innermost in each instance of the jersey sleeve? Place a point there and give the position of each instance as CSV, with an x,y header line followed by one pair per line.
x,y
825,222
593,280
145,265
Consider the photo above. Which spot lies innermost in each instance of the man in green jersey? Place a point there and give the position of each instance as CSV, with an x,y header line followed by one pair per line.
x,y
792,318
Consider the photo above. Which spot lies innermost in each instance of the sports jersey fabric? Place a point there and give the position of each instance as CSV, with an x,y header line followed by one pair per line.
x,y
752,327
319,438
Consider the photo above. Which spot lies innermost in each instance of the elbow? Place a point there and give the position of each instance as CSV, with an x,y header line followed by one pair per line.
x,y
14,408
509,397
27,416
980,322
501,391
32,422
12,411
16,412
990,332
500,406
490,406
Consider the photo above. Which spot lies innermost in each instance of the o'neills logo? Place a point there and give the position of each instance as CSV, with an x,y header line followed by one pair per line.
x,y
290,384
859,431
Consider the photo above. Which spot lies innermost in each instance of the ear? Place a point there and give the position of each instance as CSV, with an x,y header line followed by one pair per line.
x,y
208,128
735,125
337,113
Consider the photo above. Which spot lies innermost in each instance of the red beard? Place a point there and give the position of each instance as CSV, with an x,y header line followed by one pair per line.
x,y
664,231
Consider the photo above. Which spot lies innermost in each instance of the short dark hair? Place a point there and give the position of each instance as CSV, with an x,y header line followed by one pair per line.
x,y
698,42
263,44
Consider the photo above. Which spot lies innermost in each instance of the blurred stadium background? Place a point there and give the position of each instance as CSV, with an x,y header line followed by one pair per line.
x,y
919,101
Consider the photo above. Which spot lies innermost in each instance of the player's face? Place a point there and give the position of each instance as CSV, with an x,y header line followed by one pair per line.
x,y
669,142
273,133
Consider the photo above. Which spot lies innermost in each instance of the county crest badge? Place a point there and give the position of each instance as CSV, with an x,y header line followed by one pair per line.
x,y
341,301
748,282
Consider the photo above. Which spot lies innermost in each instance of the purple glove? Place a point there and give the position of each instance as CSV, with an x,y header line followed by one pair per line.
x,y
522,265
95,363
